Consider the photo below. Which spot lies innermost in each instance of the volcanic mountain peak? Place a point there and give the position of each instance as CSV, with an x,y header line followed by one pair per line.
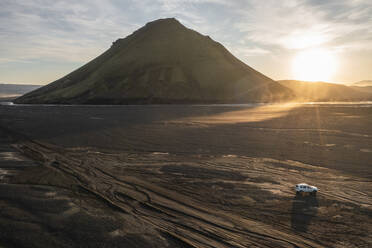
x,y
162,62
167,30
165,22
168,26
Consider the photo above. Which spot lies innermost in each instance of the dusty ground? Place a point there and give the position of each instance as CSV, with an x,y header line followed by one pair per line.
x,y
185,176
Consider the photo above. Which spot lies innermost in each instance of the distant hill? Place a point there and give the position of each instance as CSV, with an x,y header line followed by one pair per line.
x,y
321,91
15,90
363,83
364,86
162,62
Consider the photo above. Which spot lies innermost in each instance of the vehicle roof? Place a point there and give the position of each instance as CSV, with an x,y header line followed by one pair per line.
x,y
303,184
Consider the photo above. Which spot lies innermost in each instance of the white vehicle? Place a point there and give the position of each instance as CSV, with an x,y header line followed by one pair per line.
x,y
305,188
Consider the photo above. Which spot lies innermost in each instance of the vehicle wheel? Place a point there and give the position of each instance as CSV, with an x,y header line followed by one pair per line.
x,y
314,193
297,193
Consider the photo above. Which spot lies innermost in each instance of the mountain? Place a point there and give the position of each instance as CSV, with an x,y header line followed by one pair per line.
x,y
364,86
14,90
322,91
162,62
363,83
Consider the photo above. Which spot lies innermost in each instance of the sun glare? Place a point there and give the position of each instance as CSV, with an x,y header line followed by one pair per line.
x,y
314,65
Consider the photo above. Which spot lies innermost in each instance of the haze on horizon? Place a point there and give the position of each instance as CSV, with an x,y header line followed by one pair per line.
x,y
330,40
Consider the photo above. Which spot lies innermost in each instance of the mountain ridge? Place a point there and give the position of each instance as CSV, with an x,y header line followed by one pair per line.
x,y
7,89
363,83
324,91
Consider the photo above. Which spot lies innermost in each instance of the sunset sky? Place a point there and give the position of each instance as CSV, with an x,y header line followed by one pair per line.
x,y
329,40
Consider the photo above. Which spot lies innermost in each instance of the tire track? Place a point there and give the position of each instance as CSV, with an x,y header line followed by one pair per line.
x,y
179,216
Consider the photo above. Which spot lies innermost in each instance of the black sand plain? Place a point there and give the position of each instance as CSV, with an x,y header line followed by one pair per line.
x,y
185,175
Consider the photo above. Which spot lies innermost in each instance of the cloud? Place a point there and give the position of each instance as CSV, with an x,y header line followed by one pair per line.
x,y
76,31
246,51
304,24
60,30
92,25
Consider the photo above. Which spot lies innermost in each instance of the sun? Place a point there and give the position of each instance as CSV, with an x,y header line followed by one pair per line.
x,y
314,65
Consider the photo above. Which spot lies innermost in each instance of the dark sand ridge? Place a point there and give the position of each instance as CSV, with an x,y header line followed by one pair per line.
x,y
202,193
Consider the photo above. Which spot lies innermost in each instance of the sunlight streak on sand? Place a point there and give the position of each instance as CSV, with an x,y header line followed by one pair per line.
x,y
246,115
